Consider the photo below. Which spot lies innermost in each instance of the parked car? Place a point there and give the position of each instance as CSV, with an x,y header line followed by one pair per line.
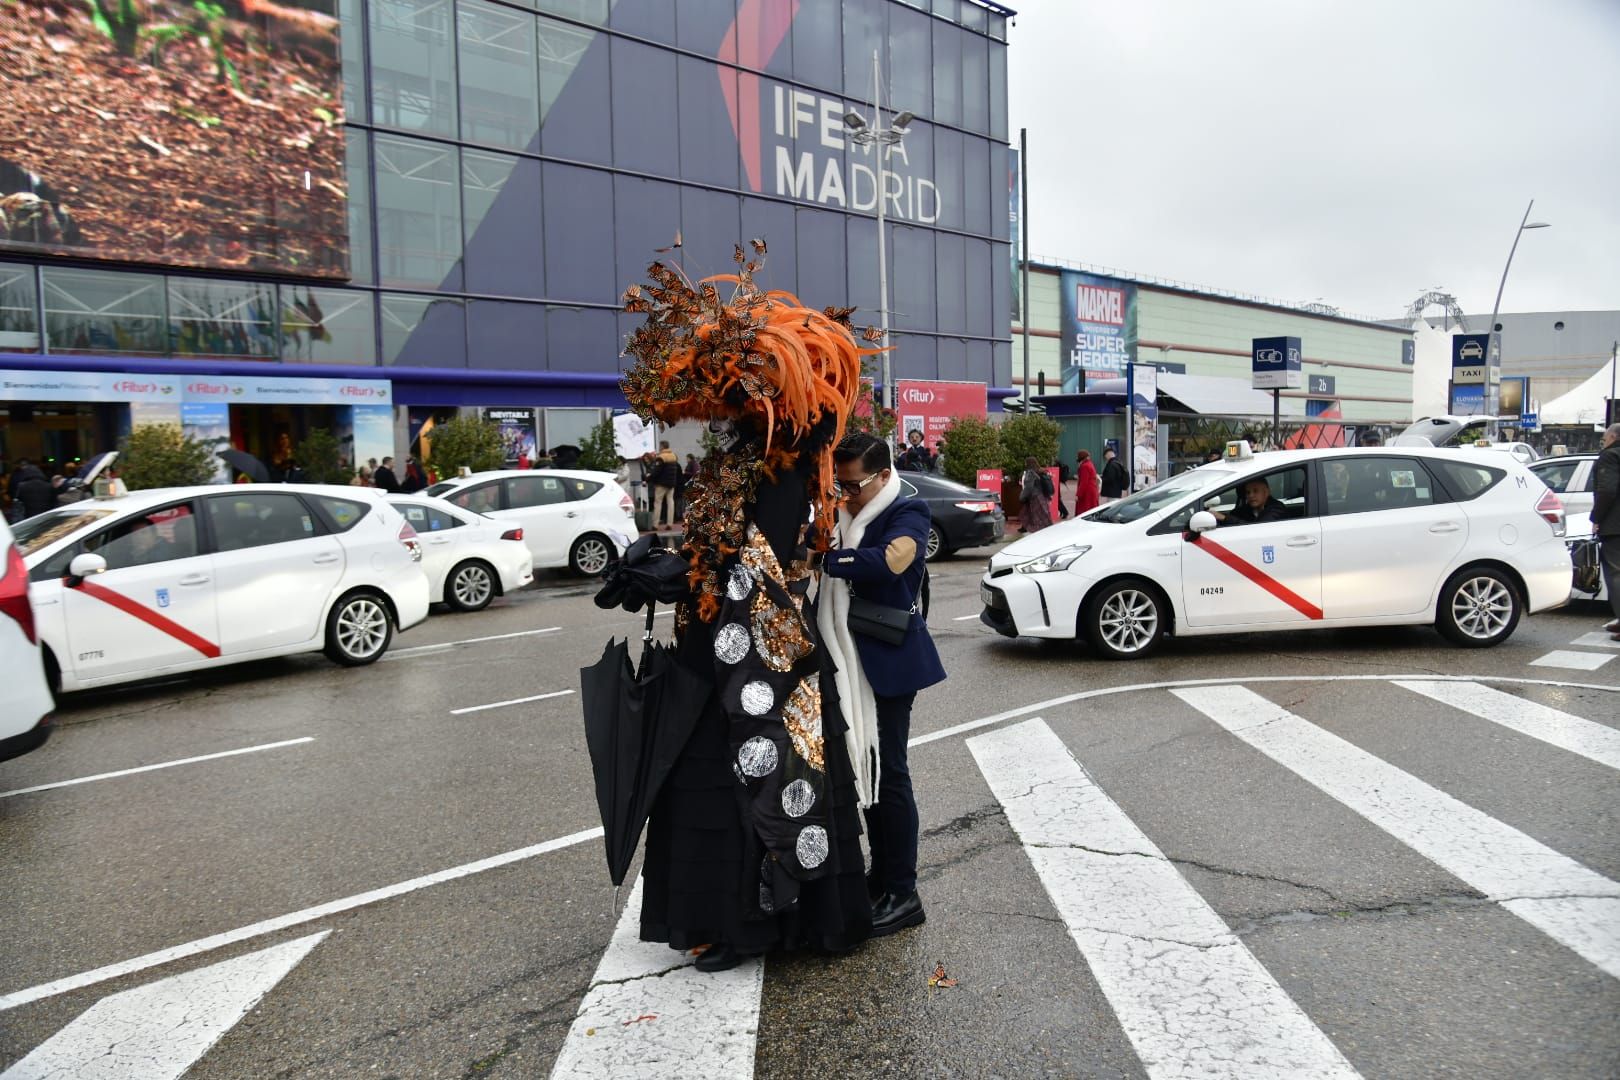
x,y
1446,431
469,559
1466,540
570,518
179,579
25,694
1523,452
961,516
1570,475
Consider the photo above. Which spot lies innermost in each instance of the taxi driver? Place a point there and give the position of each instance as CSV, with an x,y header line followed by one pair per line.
x,y
1255,505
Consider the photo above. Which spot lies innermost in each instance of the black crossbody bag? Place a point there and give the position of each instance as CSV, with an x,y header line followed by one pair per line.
x,y
887,624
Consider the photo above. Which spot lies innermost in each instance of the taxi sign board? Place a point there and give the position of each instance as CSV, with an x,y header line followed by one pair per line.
x,y
1469,358
1275,363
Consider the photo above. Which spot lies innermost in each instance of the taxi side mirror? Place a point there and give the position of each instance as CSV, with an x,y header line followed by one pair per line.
x,y
1202,522
84,566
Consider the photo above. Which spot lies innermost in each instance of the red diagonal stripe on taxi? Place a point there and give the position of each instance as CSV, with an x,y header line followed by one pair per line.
x,y
150,618
1260,578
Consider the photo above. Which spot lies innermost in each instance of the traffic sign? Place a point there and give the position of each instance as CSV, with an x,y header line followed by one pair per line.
x,y
1275,363
1469,358
1529,421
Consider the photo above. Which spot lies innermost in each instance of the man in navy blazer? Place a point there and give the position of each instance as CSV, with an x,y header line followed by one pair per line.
x,y
886,534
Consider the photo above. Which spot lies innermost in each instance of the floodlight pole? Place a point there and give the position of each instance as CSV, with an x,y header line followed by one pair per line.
x,y
1493,354
881,138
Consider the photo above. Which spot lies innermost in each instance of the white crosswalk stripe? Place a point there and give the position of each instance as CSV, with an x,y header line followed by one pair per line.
x,y
1567,901
1190,996
1578,736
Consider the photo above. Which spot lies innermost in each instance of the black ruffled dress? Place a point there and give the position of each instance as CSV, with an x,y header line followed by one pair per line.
x,y
755,840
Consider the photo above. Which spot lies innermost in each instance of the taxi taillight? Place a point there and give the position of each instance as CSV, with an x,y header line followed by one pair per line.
x,y
512,534
1551,509
407,538
14,595
627,504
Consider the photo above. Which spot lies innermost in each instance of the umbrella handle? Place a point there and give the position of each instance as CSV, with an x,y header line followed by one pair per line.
x,y
652,607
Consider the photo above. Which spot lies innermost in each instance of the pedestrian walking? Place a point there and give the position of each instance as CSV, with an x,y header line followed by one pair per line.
x,y
384,477
414,481
666,478
31,490
1606,519
878,563
1088,490
1035,495
1114,478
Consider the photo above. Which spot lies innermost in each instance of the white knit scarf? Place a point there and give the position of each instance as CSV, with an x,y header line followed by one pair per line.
x,y
855,695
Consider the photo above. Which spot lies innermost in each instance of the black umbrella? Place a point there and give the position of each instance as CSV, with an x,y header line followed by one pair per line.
x,y
637,721
245,463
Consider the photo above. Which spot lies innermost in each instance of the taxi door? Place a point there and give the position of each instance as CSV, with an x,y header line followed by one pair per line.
x,y
153,608
539,503
1390,536
1261,574
276,568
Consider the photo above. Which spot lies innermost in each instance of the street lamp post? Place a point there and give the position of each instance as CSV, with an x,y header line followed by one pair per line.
x,y
877,135
1494,353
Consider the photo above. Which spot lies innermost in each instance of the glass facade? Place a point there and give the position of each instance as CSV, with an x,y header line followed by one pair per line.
x,y
514,164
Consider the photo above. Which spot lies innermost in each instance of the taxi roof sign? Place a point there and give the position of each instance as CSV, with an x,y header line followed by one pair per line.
x,y
1239,450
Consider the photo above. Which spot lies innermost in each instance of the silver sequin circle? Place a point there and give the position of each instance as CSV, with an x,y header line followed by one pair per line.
x,y
731,643
812,846
757,757
797,799
741,582
757,698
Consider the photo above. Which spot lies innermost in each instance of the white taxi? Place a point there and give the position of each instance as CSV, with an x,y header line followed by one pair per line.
x,y
178,579
1292,540
469,559
570,517
25,695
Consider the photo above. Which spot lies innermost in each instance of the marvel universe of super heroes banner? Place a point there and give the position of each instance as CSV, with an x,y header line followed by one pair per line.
x,y
1098,317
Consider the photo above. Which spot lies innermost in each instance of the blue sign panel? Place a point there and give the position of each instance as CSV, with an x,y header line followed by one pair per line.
x,y
1468,399
1529,421
1468,357
1276,363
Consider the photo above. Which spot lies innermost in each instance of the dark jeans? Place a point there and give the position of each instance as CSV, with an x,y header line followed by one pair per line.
x,y
891,823
1610,552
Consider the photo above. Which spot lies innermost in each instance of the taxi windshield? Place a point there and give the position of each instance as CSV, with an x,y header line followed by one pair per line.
x,y
39,531
1160,495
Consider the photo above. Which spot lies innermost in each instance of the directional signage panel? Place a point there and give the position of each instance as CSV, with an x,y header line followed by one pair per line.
x,y
1323,385
1468,358
1276,363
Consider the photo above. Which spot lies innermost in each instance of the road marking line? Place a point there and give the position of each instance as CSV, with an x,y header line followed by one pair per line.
x,y
1598,639
281,922
1575,661
1575,906
468,641
514,701
650,1013
158,1031
965,618
1132,688
1188,993
159,765
1584,737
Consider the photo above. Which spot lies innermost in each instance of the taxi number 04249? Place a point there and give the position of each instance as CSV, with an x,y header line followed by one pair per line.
x,y
1211,590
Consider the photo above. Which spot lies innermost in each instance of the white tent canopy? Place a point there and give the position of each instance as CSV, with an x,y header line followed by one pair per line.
x,y
1585,403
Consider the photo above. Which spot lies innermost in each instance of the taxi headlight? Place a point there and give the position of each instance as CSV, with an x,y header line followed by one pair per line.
x,y
1053,560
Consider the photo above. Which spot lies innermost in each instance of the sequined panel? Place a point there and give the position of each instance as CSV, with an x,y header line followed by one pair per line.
x,y
757,757
731,643
797,798
802,718
779,634
740,583
812,846
757,698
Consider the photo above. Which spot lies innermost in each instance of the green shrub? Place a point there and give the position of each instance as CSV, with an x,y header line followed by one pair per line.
x,y
467,441
597,451
1028,436
161,455
970,443
322,459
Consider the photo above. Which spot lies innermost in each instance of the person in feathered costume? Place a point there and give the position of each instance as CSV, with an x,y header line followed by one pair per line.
x,y
754,843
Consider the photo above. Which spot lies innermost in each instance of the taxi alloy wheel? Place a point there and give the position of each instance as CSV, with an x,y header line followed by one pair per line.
x,y
1125,620
1479,607
358,630
470,587
590,556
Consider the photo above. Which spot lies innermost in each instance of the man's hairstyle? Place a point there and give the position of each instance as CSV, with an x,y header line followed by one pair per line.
x,y
871,451
1612,431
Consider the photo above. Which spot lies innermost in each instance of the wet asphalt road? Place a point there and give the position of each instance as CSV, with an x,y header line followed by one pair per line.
x,y
1406,968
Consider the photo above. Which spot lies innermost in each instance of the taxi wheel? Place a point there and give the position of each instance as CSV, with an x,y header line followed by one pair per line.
x,y
1124,620
358,630
590,555
1479,607
470,586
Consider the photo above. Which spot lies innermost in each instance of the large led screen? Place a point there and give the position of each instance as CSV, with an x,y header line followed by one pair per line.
x,y
176,132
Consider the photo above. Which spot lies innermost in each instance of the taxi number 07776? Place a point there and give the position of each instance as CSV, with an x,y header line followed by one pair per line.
x,y
1211,590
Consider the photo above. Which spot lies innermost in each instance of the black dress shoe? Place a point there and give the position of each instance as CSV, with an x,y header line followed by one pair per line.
x,y
894,913
719,958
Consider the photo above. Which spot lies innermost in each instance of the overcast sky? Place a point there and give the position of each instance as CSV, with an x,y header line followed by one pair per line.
x,y
1360,151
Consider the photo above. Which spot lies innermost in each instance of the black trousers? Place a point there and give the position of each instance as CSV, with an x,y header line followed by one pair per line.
x,y
1610,553
891,822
